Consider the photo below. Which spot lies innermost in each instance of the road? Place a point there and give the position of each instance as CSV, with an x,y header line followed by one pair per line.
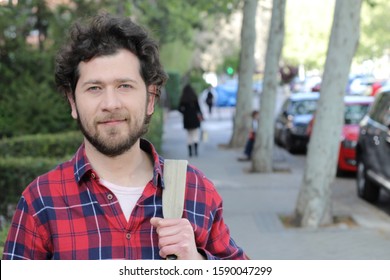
x,y
344,187
254,202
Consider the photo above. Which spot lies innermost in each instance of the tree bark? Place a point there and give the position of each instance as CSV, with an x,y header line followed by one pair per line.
x,y
314,201
262,159
242,120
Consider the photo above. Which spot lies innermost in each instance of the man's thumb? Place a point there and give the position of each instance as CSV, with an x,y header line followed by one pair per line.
x,y
155,221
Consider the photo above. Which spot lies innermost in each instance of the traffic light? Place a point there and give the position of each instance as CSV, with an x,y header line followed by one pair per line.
x,y
229,70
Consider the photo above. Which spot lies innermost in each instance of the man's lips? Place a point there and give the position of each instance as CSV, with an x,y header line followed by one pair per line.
x,y
112,122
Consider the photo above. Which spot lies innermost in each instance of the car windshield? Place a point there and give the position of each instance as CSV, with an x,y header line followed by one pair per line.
x,y
303,107
354,113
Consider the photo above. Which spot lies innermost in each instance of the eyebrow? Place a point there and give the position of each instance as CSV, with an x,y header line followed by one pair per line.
x,y
92,82
98,82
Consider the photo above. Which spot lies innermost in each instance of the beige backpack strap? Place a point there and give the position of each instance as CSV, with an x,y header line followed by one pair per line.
x,y
175,174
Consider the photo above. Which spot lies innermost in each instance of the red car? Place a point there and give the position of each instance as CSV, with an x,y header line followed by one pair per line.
x,y
356,107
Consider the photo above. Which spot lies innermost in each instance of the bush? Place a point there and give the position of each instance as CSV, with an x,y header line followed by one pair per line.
x,y
26,157
155,132
17,173
173,90
41,145
3,236
31,104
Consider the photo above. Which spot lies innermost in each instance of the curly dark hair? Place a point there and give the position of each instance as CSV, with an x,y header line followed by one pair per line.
x,y
101,35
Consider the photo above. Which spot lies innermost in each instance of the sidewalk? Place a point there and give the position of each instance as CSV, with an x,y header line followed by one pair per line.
x,y
254,202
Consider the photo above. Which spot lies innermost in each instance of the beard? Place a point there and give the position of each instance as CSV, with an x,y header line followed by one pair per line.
x,y
110,142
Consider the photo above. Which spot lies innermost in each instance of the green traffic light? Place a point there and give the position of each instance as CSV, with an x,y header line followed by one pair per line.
x,y
230,70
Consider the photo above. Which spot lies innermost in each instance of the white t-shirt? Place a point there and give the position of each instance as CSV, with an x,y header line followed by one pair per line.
x,y
127,196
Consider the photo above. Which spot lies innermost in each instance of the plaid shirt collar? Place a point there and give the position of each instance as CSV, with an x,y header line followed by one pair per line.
x,y
82,166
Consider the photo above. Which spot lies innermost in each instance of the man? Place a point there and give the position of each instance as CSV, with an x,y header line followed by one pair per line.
x,y
105,203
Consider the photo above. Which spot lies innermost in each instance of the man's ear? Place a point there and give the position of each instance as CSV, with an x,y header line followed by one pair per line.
x,y
152,93
152,89
72,104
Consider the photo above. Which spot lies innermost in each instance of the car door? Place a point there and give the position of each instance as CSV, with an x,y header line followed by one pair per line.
x,y
370,137
383,137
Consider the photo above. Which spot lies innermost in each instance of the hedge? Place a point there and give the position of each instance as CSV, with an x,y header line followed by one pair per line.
x,y
41,145
24,158
173,90
156,128
17,173
3,236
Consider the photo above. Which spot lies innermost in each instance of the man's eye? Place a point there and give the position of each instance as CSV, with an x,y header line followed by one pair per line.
x,y
94,88
125,86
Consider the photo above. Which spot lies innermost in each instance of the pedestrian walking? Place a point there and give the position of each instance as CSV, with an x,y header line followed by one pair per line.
x,y
106,202
192,118
209,100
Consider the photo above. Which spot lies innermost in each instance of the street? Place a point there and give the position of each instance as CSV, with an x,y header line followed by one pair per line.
x,y
254,203
344,187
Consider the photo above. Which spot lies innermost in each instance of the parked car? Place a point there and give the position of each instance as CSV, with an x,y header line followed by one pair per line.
x,y
360,84
373,149
292,121
226,93
377,85
356,107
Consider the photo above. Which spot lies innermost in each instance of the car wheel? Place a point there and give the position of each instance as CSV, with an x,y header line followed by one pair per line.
x,y
365,187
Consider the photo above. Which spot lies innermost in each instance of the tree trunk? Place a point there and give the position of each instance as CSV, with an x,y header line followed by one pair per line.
x,y
242,120
262,159
314,206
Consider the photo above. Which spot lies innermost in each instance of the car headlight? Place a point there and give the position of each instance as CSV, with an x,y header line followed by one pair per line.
x,y
348,144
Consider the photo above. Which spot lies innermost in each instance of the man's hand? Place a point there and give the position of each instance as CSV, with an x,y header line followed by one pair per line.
x,y
176,237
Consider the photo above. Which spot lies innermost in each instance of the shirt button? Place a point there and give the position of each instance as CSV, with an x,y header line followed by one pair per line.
x,y
93,176
109,196
128,235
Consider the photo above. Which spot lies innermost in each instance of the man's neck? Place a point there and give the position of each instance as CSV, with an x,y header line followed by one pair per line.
x,y
133,168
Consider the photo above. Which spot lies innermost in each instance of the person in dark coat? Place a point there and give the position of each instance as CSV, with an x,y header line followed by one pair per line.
x,y
192,117
210,100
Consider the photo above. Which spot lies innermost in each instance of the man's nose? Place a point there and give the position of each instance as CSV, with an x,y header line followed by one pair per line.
x,y
111,100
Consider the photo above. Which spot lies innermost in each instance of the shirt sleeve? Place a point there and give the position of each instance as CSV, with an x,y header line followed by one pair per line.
x,y
24,242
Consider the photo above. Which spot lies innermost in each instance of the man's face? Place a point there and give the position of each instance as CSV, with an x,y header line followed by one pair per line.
x,y
111,103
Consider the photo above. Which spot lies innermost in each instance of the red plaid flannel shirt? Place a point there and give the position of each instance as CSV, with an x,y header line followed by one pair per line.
x,y
67,214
